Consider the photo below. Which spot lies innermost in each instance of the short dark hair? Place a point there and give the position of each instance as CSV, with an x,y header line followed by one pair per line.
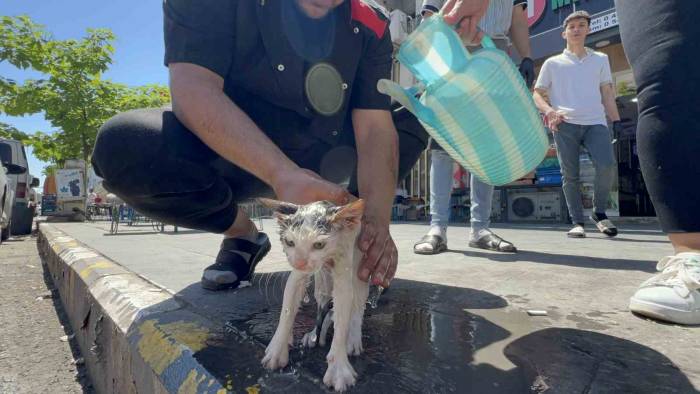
x,y
577,15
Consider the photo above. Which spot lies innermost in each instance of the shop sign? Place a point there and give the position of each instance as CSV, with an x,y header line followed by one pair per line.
x,y
535,11
604,22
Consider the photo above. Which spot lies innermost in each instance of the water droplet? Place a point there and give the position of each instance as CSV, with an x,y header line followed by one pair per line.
x,y
374,293
307,299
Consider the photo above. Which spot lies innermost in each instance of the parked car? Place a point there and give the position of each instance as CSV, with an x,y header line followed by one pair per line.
x,y
12,153
7,195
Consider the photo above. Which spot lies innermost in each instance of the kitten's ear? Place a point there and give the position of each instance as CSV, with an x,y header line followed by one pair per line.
x,y
281,209
350,215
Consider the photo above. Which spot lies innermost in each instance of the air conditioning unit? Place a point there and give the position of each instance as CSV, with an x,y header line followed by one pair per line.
x,y
535,205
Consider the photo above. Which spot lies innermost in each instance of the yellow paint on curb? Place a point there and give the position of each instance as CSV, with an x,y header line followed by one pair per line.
x,y
155,348
100,264
191,382
161,345
188,333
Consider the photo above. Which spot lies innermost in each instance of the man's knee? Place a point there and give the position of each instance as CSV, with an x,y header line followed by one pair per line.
x,y
122,142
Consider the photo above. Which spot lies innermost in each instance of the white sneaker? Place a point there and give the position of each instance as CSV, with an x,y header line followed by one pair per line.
x,y
674,294
577,232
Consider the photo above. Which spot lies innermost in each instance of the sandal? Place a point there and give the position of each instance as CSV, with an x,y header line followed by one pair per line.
x,y
231,268
493,242
605,226
437,244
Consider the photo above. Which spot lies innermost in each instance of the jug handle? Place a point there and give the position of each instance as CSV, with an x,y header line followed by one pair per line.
x,y
406,97
487,42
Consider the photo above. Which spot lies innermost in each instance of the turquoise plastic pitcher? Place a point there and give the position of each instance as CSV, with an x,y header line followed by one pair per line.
x,y
476,106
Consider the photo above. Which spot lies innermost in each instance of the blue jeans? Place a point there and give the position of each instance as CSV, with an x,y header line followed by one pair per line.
x,y
441,188
596,139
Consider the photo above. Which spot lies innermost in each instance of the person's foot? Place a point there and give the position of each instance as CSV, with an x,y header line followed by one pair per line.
x,y
235,262
434,242
486,239
604,224
674,294
577,231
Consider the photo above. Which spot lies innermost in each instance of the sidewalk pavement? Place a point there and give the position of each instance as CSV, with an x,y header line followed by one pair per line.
x,y
454,322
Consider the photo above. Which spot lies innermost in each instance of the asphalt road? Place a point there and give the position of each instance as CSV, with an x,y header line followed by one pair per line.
x,y
37,354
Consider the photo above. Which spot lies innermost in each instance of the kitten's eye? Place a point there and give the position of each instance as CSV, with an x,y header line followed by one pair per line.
x,y
319,245
289,243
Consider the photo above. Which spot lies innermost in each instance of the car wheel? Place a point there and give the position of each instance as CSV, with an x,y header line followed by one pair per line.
x,y
5,233
22,221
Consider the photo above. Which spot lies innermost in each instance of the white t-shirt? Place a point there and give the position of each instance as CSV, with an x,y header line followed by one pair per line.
x,y
573,85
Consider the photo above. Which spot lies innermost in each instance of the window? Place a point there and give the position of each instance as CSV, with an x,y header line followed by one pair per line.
x,y
5,153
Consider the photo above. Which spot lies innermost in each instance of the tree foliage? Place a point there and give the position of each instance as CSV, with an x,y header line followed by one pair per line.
x,y
71,93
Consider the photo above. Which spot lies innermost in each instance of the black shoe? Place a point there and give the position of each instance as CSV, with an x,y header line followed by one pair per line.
x,y
231,267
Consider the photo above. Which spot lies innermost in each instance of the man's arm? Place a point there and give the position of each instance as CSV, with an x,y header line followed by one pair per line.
x,y
520,35
607,93
200,103
519,31
552,117
377,150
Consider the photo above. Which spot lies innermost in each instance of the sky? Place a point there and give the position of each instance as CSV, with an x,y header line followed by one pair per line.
x,y
138,56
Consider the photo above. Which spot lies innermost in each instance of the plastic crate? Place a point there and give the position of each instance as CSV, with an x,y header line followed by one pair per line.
x,y
552,179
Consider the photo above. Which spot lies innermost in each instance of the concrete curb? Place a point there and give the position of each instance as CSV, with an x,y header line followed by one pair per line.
x,y
134,336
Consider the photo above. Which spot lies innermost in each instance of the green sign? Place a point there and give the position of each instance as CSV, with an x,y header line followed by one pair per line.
x,y
560,3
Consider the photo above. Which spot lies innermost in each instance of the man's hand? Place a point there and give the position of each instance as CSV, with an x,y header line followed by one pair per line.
x,y
380,256
617,129
553,119
527,70
302,186
465,15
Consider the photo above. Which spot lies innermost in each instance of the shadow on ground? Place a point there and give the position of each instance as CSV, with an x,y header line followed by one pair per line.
x,y
562,259
421,338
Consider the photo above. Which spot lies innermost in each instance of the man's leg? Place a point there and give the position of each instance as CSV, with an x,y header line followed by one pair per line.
x,y
481,197
157,166
568,143
441,165
660,42
139,154
597,140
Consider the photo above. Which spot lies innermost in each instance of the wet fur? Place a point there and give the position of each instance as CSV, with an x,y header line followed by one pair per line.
x,y
334,269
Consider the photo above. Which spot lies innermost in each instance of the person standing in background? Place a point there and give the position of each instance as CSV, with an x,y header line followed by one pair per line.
x,y
579,85
505,22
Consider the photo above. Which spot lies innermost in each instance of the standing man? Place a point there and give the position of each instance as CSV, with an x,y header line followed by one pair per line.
x,y
579,84
505,21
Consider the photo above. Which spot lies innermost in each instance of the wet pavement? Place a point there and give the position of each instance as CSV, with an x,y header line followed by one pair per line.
x,y
455,322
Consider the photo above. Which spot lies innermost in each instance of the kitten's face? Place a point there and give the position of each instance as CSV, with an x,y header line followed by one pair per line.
x,y
310,233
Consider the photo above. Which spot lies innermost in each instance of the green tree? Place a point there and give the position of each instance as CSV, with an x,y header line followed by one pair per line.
x,y
71,94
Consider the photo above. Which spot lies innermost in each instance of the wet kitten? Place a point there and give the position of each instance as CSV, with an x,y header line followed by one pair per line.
x,y
319,239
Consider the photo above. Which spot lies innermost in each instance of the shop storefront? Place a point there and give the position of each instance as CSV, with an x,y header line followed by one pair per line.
x,y
539,197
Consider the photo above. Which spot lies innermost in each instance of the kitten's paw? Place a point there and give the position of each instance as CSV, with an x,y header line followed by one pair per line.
x,y
354,342
310,339
276,355
340,375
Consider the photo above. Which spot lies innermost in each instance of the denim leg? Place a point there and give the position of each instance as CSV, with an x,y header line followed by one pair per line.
x,y
440,187
568,143
481,196
596,138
